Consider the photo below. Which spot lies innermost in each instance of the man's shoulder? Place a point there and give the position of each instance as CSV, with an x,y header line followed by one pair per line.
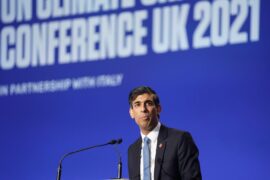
x,y
176,133
135,144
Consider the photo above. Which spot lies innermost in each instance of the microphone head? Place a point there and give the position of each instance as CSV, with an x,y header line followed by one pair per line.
x,y
116,141
112,141
119,141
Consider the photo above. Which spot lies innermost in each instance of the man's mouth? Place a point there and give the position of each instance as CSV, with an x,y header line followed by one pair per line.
x,y
145,117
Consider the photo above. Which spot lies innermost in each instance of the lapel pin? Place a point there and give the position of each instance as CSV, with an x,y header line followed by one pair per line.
x,y
160,145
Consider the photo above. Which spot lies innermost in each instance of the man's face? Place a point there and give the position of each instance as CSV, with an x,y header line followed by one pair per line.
x,y
145,112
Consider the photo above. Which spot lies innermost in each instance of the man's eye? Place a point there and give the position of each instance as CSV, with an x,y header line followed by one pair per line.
x,y
150,103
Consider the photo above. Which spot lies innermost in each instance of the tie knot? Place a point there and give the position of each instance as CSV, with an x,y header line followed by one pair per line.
x,y
146,140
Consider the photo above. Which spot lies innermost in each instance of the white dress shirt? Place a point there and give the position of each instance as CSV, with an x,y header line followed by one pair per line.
x,y
153,135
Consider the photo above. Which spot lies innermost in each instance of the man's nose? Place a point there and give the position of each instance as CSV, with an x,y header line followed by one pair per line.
x,y
144,108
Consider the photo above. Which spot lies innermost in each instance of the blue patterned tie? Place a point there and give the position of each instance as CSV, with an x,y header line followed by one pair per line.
x,y
146,159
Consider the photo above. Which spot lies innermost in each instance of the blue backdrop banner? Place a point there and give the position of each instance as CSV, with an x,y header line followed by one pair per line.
x,y
67,66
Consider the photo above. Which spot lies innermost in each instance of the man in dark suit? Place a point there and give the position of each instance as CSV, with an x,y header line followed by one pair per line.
x,y
161,153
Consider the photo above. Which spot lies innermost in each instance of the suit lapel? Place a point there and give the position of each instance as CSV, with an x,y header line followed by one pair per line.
x,y
137,157
161,145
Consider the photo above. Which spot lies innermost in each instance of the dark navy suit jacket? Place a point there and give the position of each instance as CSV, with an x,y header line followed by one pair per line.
x,y
176,157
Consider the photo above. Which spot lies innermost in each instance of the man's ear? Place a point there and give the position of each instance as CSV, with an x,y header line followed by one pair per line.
x,y
131,113
159,108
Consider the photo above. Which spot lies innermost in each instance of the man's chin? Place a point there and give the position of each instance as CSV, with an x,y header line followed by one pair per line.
x,y
146,126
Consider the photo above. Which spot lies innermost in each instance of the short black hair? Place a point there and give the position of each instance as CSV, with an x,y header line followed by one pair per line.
x,y
134,93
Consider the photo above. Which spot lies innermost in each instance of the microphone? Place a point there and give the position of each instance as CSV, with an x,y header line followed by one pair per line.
x,y
117,141
59,169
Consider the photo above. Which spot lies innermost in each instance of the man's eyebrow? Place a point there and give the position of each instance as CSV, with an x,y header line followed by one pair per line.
x,y
148,100
136,102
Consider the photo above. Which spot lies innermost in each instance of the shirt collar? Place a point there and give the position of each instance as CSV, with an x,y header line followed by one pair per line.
x,y
153,135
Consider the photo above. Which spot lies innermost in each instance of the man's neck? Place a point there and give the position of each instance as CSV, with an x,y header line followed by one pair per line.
x,y
146,132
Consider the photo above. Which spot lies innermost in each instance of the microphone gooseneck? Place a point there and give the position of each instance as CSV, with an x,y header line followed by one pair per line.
x,y
59,169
